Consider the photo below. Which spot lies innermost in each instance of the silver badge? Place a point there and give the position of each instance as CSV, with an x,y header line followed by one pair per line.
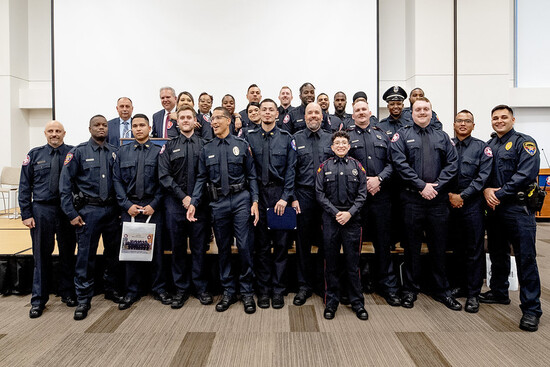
x,y
396,89
236,150
354,172
379,137
114,156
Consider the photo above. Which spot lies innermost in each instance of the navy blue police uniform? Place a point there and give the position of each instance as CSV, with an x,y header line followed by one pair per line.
x,y
516,161
205,131
346,118
87,173
274,155
283,117
39,199
371,147
135,178
466,229
349,124
227,167
421,156
178,166
341,185
312,148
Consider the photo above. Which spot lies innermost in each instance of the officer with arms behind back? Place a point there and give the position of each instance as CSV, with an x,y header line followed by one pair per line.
x,y
41,212
511,217
88,200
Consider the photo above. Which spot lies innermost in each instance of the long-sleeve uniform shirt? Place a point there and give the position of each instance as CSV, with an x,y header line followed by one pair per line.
x,y
306,169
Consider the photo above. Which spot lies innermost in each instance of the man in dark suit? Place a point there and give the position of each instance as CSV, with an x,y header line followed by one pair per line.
x,y
163,125
121,127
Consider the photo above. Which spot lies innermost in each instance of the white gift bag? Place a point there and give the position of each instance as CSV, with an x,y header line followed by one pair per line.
x,y
512,277
138,241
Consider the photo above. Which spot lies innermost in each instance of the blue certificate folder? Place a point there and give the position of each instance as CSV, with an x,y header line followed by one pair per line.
x,y
285,221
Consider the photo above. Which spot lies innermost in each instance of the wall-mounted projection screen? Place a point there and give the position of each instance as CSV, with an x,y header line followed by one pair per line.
x,y
107,49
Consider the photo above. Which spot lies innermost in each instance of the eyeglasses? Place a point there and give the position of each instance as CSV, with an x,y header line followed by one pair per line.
x,y
340,144
214,118
459,121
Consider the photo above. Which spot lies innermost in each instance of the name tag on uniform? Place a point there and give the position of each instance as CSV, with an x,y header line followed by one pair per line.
x,y
328,173
410,141
176,150
354,141
300,120
90,160
40,162
301,147
211,156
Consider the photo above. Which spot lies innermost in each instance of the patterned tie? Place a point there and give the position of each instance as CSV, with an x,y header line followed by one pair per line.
x,y
125,128
54,172
140,175
103,189
223,168
265,158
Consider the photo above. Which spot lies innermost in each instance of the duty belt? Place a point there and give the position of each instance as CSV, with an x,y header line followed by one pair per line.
x,y
98,202
233,189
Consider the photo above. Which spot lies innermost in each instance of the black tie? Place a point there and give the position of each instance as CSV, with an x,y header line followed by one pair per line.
x,y
190,168
342,191
369,152
265,159
428,172
103,190
54,172
315,150
140,175
223,168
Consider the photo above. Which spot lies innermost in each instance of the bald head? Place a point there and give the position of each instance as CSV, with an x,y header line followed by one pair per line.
x,y
313,116
55,133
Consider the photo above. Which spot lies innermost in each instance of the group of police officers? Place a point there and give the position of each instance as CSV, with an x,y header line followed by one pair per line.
x,y
349,177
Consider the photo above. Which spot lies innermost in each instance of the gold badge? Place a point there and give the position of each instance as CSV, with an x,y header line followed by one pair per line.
x,y
508,145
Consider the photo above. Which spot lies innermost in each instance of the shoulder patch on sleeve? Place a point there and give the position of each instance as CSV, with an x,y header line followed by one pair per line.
x,y
488,152
162,149
286,119
293,144
27,160
530,147
395,137
68,158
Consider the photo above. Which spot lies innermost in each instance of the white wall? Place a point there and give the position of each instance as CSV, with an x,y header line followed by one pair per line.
x,y
415,50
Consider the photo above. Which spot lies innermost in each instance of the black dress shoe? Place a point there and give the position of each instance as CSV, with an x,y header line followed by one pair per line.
x,y
362,314
407,300
450,302
329,313
114,296
163,297
529,323
225,302
205,298
301,297
127,302
278,301
472,305
36,311
393,299
70,301
249,304
179,300
263,301
81,311
490,297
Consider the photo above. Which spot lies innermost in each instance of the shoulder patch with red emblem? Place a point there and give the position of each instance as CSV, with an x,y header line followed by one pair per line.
x,y
395,138
206,118
68,158
170,124
488,152
530,148
286,119
162,149
27,160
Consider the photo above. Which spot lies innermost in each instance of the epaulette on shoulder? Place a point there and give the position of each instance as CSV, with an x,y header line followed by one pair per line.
x,y
375,127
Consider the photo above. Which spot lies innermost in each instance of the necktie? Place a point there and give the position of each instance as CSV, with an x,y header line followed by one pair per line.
x,y
265,159
315,150
428,171
223,168
103,190
190,167
166,125
369,152
54,172
125,129
342,191
140,175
